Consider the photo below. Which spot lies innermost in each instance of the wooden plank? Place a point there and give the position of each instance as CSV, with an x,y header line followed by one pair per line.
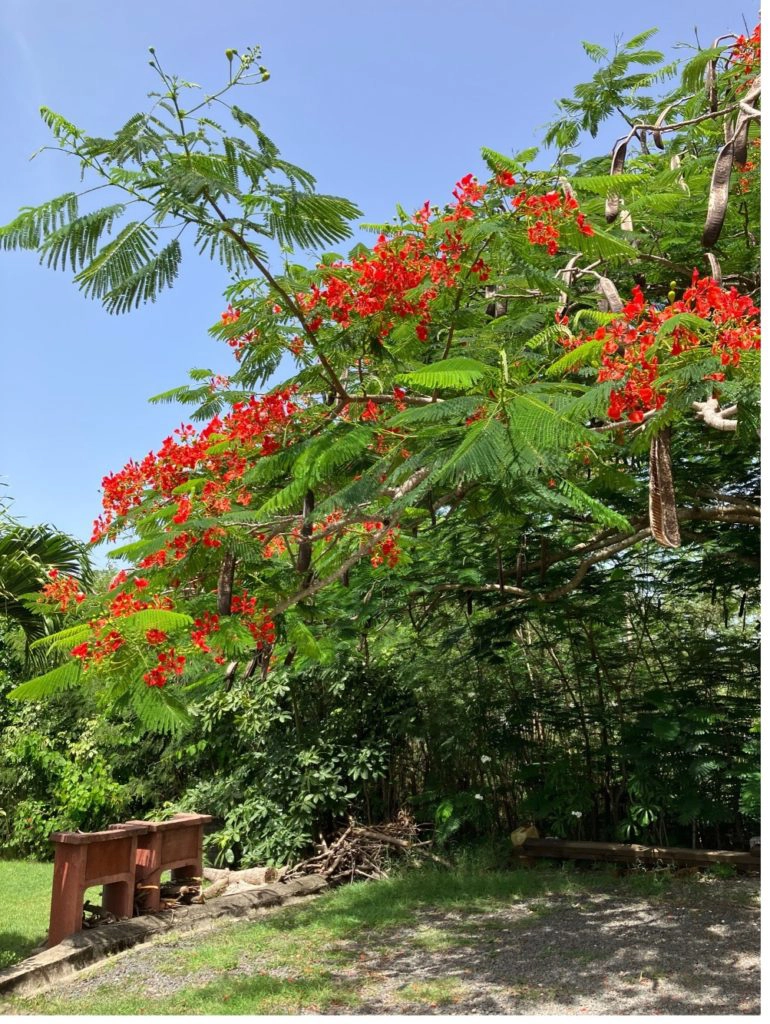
x,y
566,849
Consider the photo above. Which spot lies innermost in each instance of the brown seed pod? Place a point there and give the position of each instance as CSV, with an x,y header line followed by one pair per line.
x,y
305,551
656,136
568,274
741,131
719,193
710,75
610,293
617,163
716,270
664,524
710,82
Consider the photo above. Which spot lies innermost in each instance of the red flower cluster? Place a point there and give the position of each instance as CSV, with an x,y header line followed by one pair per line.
x,y
547,212
626,356
479,414
259,624
251,428
387,551
466,192
169,663
371,411
62,588
98,649
204,627
506,179
747,51
381,283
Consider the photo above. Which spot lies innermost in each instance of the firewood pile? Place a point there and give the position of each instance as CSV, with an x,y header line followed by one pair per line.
x,y
365,852
180,892
94,915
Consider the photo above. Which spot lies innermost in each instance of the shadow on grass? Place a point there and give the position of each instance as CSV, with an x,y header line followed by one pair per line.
x,y
393,901
15,946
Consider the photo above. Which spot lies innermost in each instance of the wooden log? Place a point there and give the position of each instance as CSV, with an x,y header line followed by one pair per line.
x,y
566,849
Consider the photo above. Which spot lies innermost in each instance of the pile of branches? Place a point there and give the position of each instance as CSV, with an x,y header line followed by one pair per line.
x,y
365,852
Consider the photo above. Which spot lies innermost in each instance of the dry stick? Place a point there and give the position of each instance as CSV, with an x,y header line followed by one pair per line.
x,y
402,844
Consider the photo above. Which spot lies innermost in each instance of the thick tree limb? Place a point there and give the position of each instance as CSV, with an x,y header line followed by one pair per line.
x,y
715,417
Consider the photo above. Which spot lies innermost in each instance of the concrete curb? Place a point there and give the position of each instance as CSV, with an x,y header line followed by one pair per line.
x,y
73,954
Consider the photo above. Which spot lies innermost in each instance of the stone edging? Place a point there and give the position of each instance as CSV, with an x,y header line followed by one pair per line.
x,y
73,954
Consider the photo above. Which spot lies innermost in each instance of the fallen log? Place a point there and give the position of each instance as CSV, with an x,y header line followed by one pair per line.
x,y
566,849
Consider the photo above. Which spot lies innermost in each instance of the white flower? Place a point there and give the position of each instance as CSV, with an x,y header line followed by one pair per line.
x,y
478,796
577,814
485,758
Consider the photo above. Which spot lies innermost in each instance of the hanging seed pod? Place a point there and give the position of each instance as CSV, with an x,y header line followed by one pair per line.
x,y
664,524
719,193
305,551
710,82
642,136
610,293
675,163
741,131
225,584
657,138
626,224
716,270
568,273
710,75
617,163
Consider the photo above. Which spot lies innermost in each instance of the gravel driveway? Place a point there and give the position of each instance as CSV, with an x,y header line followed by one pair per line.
x,y
595,955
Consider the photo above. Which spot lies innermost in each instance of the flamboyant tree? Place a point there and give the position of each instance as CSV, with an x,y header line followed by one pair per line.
x,y
563,358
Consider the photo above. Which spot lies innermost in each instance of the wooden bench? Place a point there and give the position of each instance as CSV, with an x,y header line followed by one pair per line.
x,y
84,859
175,845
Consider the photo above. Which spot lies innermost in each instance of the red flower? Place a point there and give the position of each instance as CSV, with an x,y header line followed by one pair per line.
x,y
371,411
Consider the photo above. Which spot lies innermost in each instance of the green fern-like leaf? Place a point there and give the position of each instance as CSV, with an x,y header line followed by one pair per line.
x,y
159,710
457,373
308,219
451,410
78,240
118,261
483,454
34,223
155,618
601,513
585,353
146,282
65,638
61,678
60,126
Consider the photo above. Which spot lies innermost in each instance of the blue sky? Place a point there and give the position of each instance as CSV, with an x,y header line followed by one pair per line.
x,y
385,102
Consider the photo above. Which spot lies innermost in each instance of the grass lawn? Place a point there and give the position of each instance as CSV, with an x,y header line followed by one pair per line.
x,y
295,959
25,898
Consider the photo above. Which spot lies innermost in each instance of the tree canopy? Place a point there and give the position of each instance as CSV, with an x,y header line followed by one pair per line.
x,y
535,398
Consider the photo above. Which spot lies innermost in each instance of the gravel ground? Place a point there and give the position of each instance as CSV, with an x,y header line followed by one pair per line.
x,y
694,950
595,955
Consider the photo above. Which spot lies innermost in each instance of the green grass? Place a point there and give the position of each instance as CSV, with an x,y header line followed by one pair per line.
x,y
297,959
25,897
25,904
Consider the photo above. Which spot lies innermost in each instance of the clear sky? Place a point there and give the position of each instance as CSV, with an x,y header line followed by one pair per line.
x,y
384,101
